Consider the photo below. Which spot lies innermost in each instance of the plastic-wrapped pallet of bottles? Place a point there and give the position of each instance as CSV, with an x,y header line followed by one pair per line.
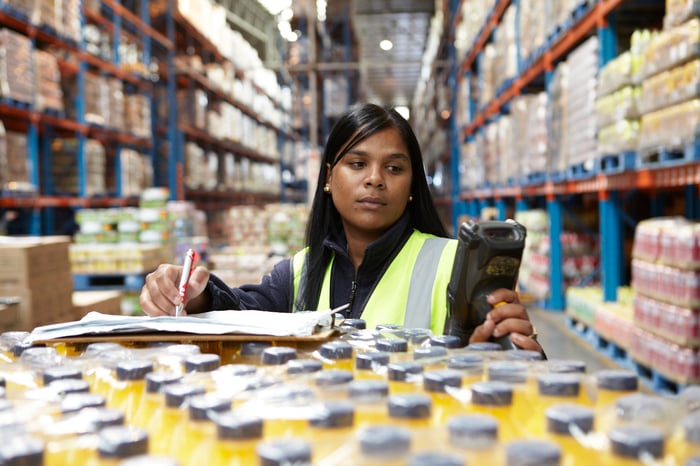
x,y
389,396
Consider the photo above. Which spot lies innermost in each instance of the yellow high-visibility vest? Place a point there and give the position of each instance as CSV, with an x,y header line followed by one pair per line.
x,y
413,290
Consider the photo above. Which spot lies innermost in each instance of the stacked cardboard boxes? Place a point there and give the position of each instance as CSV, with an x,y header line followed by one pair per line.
x,y
37,271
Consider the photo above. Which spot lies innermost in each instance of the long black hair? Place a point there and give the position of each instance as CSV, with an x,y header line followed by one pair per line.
x,y
353,127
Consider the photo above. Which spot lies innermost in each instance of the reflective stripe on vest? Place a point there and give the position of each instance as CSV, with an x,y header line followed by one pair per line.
x,y
412,291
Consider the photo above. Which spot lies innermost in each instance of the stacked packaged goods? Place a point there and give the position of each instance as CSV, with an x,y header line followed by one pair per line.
x,y
583,71
471,167
473,18
579,256
529,113
617,106
17,78
18,173
48,85
666,284
532,28
390,395
558,15
64,153
670,104
557,117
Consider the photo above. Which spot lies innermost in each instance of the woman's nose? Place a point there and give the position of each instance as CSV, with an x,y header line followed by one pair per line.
x,y
374,177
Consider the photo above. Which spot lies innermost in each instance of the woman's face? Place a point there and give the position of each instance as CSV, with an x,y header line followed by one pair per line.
x,y
371,184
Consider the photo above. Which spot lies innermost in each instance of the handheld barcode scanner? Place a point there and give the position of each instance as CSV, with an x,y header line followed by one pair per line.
x,y
488,258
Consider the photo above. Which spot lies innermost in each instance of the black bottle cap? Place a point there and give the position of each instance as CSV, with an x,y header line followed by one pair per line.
x,y
392,345
359,324
435,459
75,402
122,442
371,360
201,407
155,381
237,370
567,419
531,452
32,353
303,366
642,408
617,380
384,441
402,371
446,341
232,426
22,450
278,355
691,427
368,390
285,452
9,338
523,355
430,352
205,362
466,362
3,382
333,377
254,348
473,430
176,394
484,346
334,415
410,406
630,441
492,393
566,366
556,384
336,350
61,372
64,387
507,371
133,369
101,418
417,336
439,380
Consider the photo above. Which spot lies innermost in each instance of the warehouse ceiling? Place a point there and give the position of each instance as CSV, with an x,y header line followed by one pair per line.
x,y
390,76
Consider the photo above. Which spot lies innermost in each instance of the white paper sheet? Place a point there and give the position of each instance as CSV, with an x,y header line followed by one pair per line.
x,y
208,323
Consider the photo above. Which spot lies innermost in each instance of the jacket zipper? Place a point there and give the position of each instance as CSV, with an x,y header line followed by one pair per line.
x,y
352,295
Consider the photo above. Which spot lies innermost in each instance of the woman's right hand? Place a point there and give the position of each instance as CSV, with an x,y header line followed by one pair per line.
x,y
160,294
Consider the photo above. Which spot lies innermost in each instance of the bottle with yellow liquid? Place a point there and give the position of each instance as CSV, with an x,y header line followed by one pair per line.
x,y
431,357
127,393
381,445
190,436
251,352
171,357
519,376
565,366
23,449
202,363
570,426
359,324
174,413
475,436
611,384
450,342
284,452
332,384
236,439
274,358
634,445
397,348
330,428
65,387
685,441
371,365
641,408
336,355
117,443
285,408
404,377
60,373
524,452
150,460
496,399
522,355
153,400
417,337
554,389
369,398
413,411
303,369
485,346
469,365
230,379
75,402
440,385
8,340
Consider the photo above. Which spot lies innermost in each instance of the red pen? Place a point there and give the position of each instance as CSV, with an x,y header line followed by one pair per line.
x,y
187,268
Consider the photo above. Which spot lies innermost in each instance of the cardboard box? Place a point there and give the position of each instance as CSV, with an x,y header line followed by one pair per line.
x,y
25,260
9,314
105,302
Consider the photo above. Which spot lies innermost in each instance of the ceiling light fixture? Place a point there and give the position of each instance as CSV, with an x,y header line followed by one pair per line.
x,y
321,10
386,45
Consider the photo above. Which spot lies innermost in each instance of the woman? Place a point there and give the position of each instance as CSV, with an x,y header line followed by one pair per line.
x,y
374,241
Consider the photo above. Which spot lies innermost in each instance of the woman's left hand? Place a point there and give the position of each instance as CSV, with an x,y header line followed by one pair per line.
x,y
508,317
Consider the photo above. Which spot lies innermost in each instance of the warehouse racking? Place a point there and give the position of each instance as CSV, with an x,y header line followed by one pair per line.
x,y
137,47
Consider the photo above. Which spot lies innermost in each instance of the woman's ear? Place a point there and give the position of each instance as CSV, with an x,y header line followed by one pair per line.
x,y
328,173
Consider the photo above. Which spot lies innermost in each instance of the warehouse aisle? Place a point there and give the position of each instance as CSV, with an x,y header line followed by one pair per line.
x,y
560,342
